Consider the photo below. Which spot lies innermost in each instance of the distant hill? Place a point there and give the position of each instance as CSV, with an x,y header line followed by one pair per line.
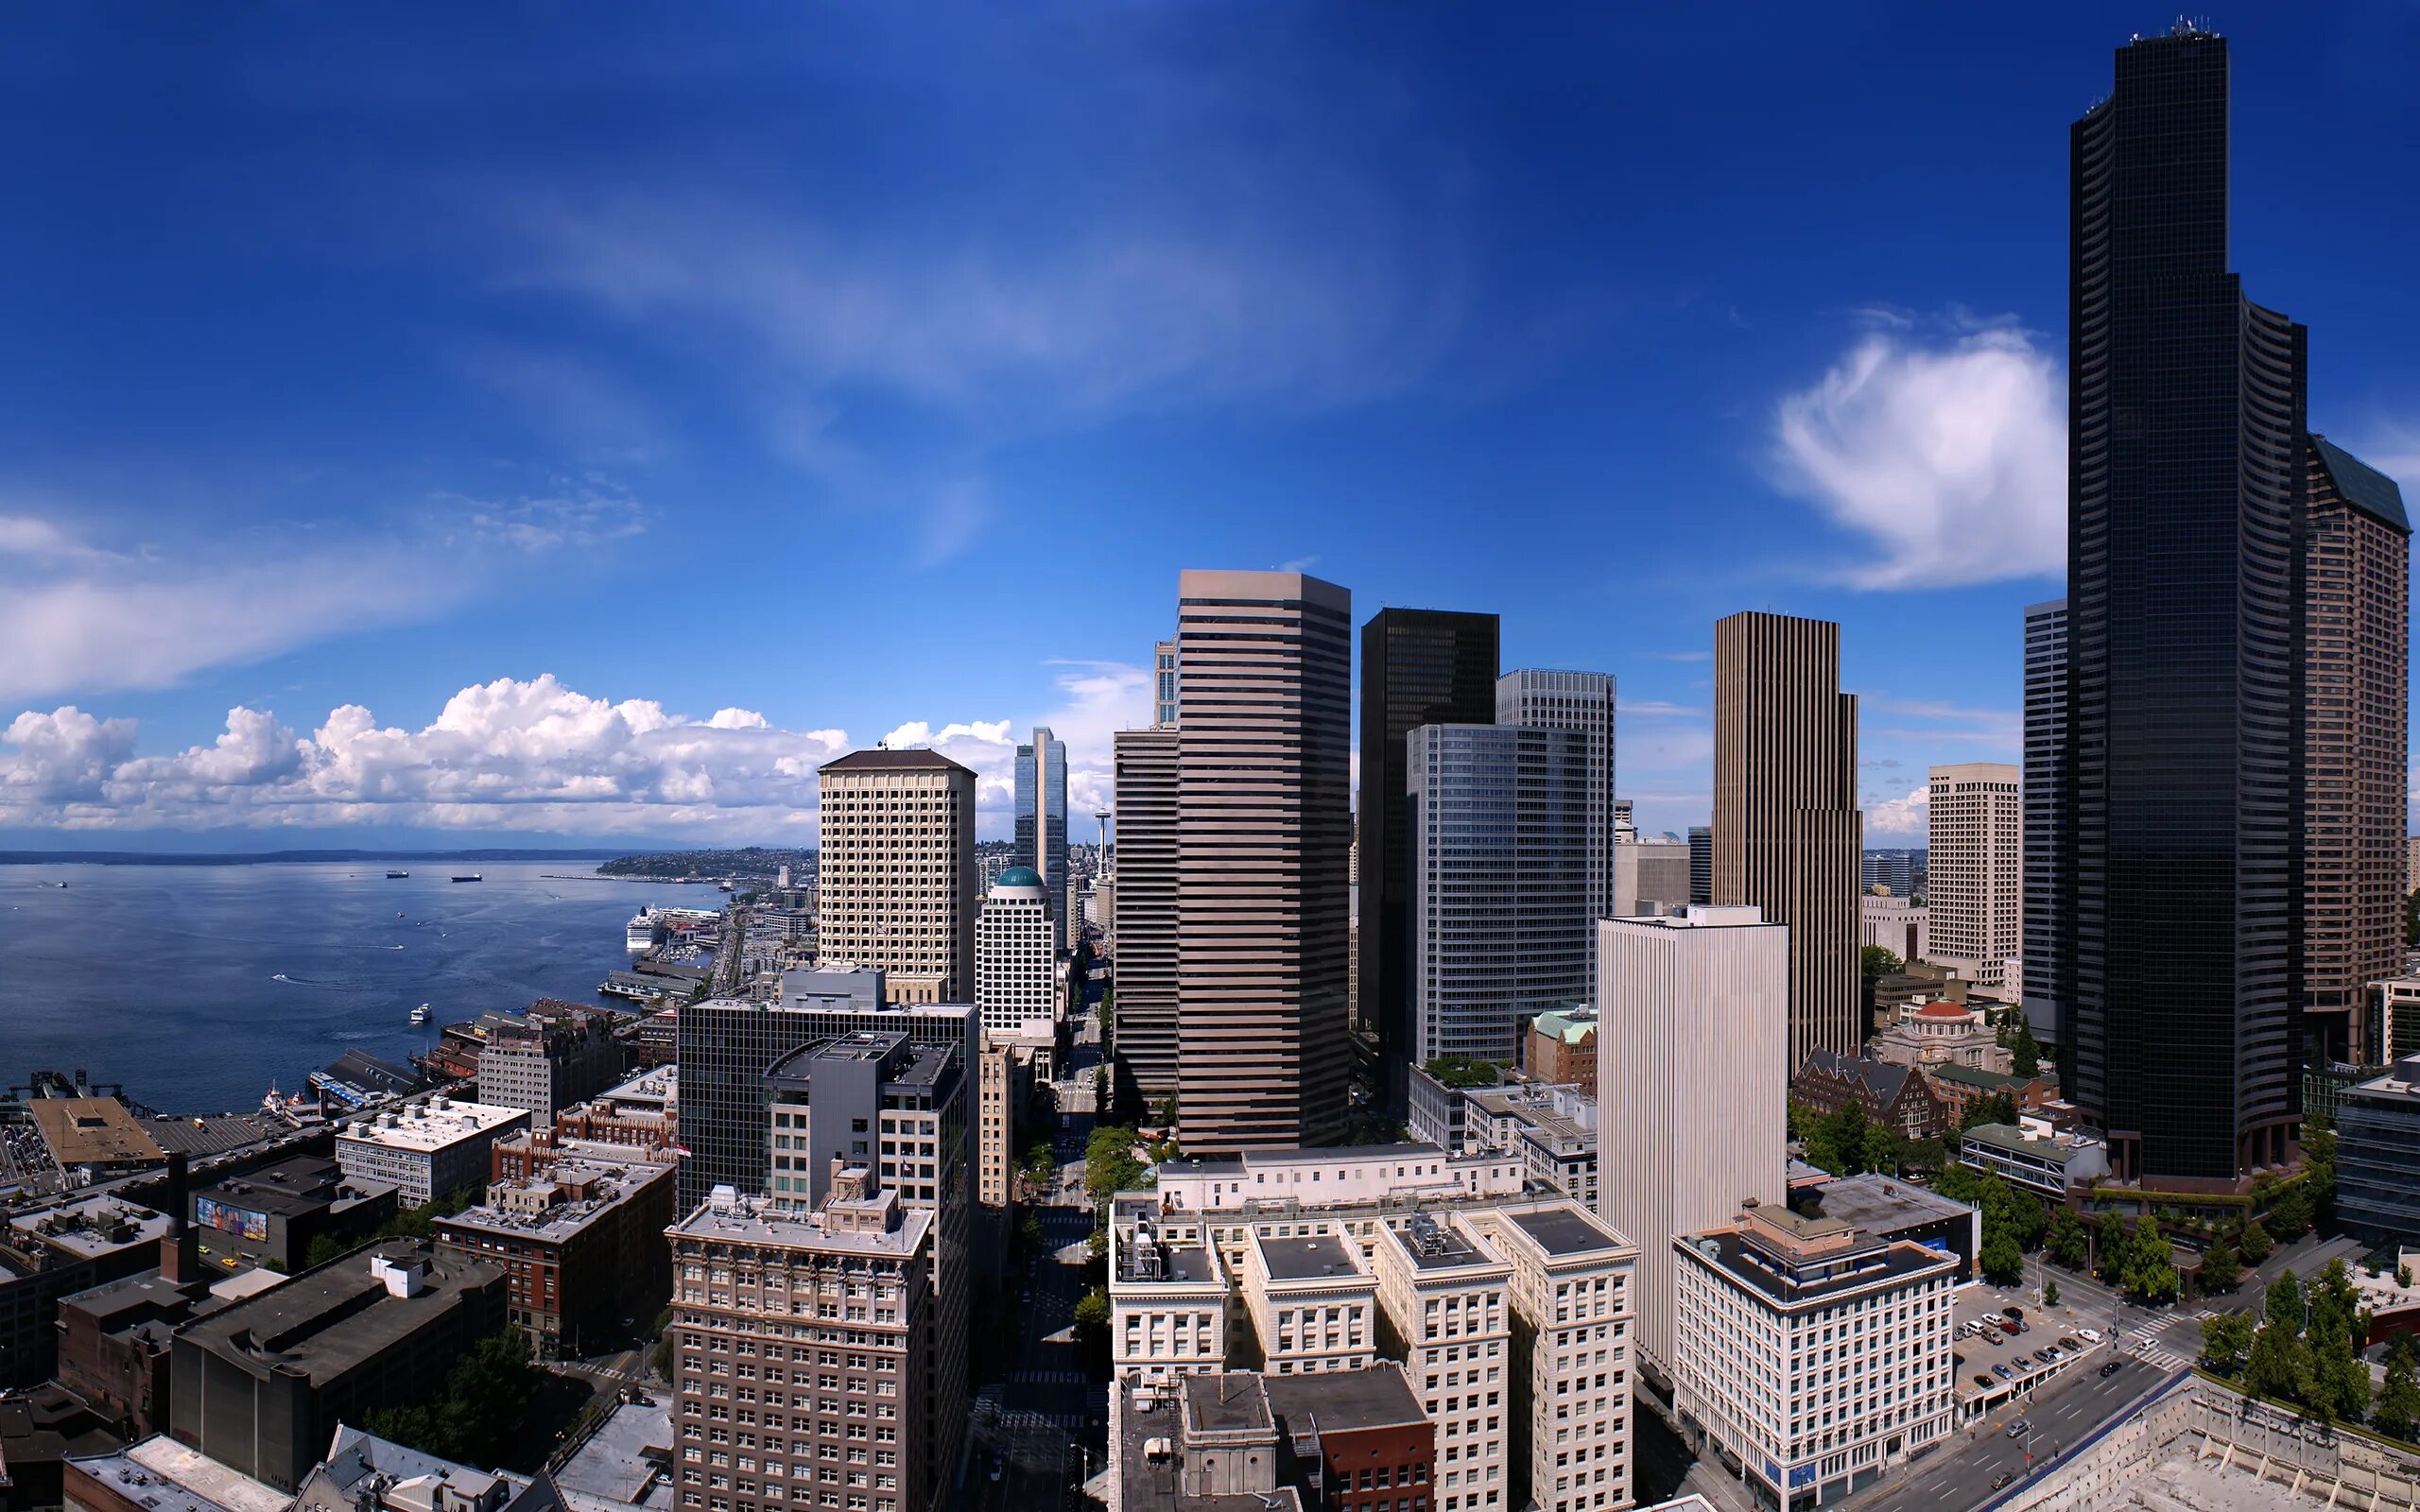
x,y
173,858
753,861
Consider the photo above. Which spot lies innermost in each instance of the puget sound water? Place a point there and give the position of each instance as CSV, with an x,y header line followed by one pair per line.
x,y
200,987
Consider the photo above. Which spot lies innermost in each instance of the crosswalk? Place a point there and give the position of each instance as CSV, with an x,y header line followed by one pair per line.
x,y
2150,1344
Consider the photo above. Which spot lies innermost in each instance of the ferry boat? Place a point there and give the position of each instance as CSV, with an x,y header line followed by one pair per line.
x,y
393,875
468,877
420,1015
639,934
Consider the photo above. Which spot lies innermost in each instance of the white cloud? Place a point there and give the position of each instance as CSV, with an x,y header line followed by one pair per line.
x,y
1950,460
1899,818
520,755
80,617
1656,709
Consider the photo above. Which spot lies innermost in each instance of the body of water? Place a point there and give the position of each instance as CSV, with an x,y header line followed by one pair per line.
x,y
198,988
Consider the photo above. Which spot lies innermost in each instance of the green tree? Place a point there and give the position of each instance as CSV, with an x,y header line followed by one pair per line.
x,y
322,1248
2398,1410
2318,1170
2050,1294
2016,1038
1109,1166
1092,1324
2290,1215
1999,1108
2150,1272
1875,961
2110,1248
477,1417
2220,1270
2256,1242
2284,1308
2403,1276
2226,1342
2339,1381
2278,1365
2003,1263
1838,1142
2066,1239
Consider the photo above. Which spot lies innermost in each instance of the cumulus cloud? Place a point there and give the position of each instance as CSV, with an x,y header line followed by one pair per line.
x,y
1949,459
528,756
1899,818
509,754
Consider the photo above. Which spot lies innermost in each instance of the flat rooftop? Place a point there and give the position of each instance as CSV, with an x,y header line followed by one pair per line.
x,y
1897,1262
436,1124
93,1131
617,1185
1432,1246
328,1321
1566,1230
142,1472
1299,1259
88,1227
303,1185
755,1221
1377,1396
1880,1204
1226,1401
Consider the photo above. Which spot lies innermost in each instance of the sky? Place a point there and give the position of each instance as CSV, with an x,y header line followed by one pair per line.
x,y
504,424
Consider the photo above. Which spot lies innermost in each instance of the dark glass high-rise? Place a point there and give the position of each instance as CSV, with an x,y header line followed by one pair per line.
x,y
1419,667
2184,747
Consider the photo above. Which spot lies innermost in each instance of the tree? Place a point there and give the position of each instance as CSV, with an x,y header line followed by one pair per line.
x,y
2110,1242
2016,1038
2049,1294
2226,1341
2150,1272
2003,1263
2220,1270
2284,1308
1884,1149
2278,1365
2403,1276
2290,1215
1092,1323
2066,1239
1999,1108
2339,1379
2399,1409
1838,1142
477,1417
2256,1242
2318,1170
1875,961
1109,1166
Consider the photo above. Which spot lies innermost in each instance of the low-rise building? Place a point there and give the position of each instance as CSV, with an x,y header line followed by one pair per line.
x,y
115,1344
93,1138
1358,1440
1810,1354
828,1313
1434,1110
261,1385
580,1243
2378,1156
1895,1096
364,1472
1942,1034
160,1472
56,1250
1551,1129
1562,1048
1885,1207
643,1112
1961,1088
1240,1441
1334,1176
270,1216
427,1147
1898,925
2035,1156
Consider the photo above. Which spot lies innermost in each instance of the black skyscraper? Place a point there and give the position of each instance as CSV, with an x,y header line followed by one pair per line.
x,y
2184,742
1419,667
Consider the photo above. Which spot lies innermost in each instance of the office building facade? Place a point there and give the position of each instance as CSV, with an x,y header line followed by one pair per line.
x,y
2049,965
1143,1041
1041,821
1692,1045
1974,894
1500,912
2357,597
1419,667
1016,963
1543,699
1787,828
1700,863
2184,747
1264,802
895,886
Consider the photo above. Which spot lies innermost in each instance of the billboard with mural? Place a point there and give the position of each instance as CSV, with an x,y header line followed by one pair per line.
x,y
242,1222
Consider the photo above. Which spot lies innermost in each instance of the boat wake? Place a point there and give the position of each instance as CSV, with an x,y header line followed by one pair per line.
x,y
296,981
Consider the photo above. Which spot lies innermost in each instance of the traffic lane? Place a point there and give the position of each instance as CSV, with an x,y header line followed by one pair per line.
x,y
2061,1415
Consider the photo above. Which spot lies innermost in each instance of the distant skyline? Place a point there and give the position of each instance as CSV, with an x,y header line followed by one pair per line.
x,y
471,429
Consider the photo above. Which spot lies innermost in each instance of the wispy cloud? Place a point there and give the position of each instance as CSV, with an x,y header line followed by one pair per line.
x,y
1946,721
1657,709
1948,457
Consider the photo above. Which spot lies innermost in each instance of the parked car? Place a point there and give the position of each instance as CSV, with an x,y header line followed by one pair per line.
x,y
2012,1313
2001,1484
2070,1345
2089,1335
2011,1329
2003,1372
1984,1381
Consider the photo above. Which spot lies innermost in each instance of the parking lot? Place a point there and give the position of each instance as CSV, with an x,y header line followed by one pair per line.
x,y
1996,1366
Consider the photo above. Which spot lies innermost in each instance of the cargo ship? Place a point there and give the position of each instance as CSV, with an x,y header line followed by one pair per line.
x,y
472,876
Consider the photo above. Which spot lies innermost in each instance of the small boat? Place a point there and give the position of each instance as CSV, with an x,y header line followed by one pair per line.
x,y
472,876
420,1015
399,913
393,875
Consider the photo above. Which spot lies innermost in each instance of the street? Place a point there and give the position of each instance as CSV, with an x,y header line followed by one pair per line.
x,y
1042,1427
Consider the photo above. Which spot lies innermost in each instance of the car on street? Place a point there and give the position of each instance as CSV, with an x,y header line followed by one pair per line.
x,y
2001,1484
2089,1335
2019,1429
2112,1368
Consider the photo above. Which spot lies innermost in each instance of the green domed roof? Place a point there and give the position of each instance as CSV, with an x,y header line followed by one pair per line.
x,y
1018,877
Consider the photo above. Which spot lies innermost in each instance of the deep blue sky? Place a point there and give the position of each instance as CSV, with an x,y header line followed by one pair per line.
x,y
860,367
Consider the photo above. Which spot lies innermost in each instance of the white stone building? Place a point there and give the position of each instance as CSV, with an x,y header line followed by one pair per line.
x,y
1016,978
1444,1298
1975,894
